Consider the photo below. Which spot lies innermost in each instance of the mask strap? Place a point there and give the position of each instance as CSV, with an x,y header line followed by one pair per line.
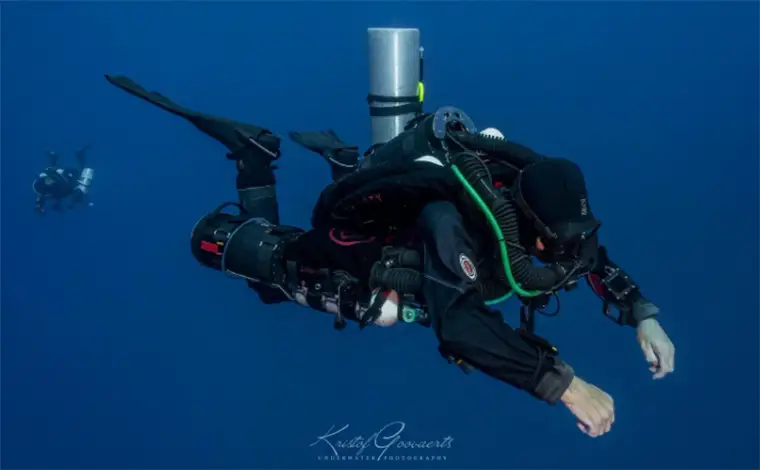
x,y
547,235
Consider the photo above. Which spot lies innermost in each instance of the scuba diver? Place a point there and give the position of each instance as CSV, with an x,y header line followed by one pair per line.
x,y
56,184
432,227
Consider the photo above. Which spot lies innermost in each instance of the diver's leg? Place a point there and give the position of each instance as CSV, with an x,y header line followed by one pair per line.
x,y
53,158
252,148
39,205
38,187
80,156
255,180
232,134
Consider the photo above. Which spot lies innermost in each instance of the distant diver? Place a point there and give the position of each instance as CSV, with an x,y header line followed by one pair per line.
x,y
64,188
431,228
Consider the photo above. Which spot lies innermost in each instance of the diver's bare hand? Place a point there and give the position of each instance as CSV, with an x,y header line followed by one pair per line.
x,y
592,407
657,347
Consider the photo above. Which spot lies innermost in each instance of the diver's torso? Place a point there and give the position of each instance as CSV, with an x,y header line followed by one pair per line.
x,y
55,182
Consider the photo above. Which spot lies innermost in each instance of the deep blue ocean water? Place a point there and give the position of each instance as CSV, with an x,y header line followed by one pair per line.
x,y
119,351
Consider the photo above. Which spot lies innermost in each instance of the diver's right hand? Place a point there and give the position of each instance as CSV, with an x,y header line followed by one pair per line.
x,y
592,407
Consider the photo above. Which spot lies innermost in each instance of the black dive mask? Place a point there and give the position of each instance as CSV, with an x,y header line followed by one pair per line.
x,y
570,265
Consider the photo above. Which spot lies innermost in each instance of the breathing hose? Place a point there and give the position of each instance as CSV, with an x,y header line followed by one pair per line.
x,y
525,279
522,276
514,154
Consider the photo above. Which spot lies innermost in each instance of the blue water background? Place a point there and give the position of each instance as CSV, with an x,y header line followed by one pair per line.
x,y
118,350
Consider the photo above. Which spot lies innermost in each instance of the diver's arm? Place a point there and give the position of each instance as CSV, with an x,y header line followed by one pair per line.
x,y
466,328
39,203
616,289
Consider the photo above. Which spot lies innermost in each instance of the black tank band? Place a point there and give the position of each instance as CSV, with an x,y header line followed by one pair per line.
x,y
407,105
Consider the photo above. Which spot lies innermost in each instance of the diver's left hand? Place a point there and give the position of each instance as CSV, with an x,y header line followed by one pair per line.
x,y
657,347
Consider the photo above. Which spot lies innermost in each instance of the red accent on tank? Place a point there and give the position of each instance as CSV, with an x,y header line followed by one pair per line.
x,y
498,184
210,247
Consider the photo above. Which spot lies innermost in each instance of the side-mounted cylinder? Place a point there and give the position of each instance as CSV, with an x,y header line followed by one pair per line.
x,y
84,182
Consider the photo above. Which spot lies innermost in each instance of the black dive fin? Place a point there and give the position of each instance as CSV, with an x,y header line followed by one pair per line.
x,y
153,97
232,134
329,146
321,142
343,159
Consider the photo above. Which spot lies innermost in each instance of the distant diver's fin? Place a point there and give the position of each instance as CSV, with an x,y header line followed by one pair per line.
x,y
234,135
80,155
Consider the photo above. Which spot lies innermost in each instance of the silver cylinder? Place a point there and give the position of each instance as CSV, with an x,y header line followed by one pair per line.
x,y
394,71
85,180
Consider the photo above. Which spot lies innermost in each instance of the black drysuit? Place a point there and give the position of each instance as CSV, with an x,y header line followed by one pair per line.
x,y
466,327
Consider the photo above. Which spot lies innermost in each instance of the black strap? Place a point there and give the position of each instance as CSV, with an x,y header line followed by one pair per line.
x,y
529,309
392,99
345,285
465,366
374,310
409,104
528,326
527,318
291,271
